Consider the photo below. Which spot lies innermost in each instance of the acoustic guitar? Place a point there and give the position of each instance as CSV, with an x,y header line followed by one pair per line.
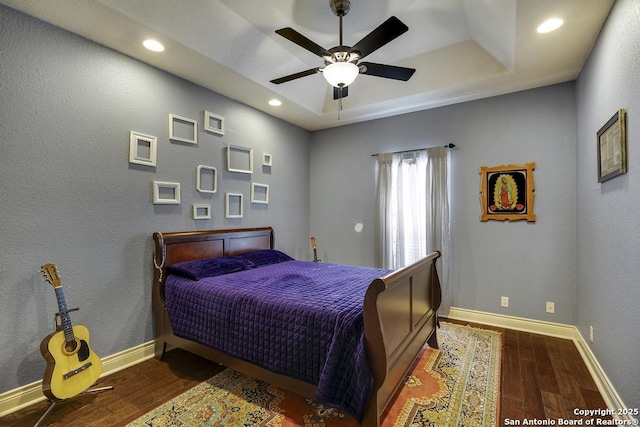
x,y
72,367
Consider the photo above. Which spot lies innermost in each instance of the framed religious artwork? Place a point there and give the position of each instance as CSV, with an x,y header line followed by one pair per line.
x,y
507,193
612,147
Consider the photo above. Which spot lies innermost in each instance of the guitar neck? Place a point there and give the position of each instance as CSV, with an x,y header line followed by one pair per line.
x,y
312,241
65,319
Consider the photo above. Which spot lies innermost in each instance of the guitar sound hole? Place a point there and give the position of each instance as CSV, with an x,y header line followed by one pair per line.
x,y
70,347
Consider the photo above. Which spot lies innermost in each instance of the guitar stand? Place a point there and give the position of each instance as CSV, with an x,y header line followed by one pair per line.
x,y
55,402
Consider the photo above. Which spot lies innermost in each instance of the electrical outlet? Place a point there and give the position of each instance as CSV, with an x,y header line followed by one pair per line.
x,y
551,307
504,301
591,333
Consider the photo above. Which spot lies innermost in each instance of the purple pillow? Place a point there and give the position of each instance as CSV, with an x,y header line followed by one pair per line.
x,y
209,267
265,257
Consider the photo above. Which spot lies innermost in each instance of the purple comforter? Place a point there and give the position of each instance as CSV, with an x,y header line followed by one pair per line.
x,y
297,318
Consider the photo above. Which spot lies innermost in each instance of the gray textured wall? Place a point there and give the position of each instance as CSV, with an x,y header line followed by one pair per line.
x,y
531,263
608,291
69,196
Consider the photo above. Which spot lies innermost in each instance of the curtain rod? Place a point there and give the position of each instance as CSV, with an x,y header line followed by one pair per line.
x,y
415,149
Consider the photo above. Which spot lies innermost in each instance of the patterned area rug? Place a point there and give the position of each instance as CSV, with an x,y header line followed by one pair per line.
x,y
455,386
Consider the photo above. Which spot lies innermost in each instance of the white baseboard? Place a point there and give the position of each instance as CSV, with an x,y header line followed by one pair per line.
x,y
608,392
14,400
510,322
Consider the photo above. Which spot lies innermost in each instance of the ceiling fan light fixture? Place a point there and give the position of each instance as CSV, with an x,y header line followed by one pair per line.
x,y
340,74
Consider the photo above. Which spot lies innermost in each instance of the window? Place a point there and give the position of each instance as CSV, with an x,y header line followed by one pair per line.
x,y
412,215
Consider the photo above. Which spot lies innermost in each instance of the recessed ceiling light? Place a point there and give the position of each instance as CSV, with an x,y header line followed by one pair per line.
x,y
550,25
275,102
153,45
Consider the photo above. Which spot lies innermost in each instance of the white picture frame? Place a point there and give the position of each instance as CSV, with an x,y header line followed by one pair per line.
x,y
213,123
183,129
239,159
143,149
259,193
201,171
233,205
267,159
201,211
165,193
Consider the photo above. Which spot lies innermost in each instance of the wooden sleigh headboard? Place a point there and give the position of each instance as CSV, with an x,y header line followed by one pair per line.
x,y
172,248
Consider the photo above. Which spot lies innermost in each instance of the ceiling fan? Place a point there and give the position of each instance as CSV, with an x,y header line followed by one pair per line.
x,y
342,63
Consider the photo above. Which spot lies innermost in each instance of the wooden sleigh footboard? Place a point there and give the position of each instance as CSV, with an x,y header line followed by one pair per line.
x,y
400,315
400,312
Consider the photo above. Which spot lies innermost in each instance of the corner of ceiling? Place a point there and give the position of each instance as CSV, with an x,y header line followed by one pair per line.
x,y
492,24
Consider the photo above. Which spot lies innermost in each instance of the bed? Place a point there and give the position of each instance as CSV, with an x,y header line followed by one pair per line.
x,y
396,314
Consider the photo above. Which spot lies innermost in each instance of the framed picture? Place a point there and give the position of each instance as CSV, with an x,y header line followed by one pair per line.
x,y
233,205
612,147
213,123
206,179
507,192
166,193
143,149
259,193
239,159
182,129
267,159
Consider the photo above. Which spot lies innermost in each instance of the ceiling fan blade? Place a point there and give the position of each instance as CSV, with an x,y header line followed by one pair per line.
x,y
294,36
388,71
387,31
338,95
296,76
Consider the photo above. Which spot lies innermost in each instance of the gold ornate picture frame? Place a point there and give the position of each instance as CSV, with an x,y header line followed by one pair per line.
x,y
507,193
612,147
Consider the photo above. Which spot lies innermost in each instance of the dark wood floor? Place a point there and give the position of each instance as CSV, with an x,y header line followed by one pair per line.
x,y
542,377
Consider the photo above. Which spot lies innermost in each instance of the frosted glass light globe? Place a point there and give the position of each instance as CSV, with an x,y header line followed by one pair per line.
x,y
341,74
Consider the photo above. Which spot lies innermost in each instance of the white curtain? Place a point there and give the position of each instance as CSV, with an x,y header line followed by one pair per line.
x,y
412,210
384,233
